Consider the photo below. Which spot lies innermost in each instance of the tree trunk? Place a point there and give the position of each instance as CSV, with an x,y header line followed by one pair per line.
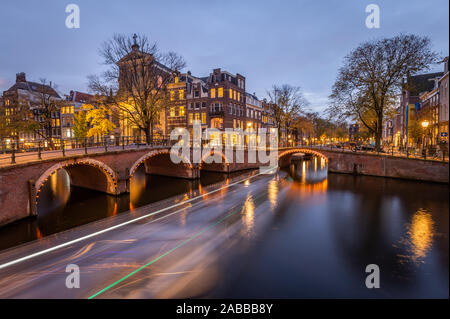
x,y
148,137
378,134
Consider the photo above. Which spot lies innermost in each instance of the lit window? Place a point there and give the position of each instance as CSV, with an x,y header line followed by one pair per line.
x,y
203,118
239,96
172,95
176,79
197,117
231,93
181,111
191,117
234,92
172,111
213,93
220,92
181,94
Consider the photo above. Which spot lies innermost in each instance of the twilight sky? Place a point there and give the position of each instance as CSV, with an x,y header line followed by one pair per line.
x,y
298,42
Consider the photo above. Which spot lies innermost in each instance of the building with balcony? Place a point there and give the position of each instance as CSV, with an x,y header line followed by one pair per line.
x,y
226,99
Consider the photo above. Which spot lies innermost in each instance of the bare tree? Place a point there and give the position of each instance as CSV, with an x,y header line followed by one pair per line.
x,y
287,103
136,79
45,107
371,78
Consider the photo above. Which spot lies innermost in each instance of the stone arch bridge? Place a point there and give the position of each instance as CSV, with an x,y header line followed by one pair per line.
x,y
110,172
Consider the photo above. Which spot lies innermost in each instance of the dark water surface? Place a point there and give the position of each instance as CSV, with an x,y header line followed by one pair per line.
x,y
327,229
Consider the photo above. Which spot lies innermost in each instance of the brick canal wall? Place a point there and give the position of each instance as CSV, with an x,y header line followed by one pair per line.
x,y
387,166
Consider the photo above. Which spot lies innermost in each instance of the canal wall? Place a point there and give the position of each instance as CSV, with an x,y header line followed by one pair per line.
x,y
387,166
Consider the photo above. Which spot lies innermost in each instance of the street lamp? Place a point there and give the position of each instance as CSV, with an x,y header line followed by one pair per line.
x,y
424,124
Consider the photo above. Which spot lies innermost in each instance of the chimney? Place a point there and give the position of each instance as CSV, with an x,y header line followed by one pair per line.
x,y
20,77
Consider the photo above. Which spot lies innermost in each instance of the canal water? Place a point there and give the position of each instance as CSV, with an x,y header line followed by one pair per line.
x,y
62,207
326,229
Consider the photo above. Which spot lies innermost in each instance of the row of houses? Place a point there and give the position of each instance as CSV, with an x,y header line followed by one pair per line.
x,y
422,118
219,100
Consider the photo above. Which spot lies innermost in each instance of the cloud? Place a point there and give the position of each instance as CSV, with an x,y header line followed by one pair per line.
x,y
318,101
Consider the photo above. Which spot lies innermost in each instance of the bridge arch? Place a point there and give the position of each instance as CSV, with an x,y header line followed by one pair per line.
x,y
162,155
286,154
223,166
86,172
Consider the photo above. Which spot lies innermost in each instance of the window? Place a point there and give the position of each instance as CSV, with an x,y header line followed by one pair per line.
x,y
231,93
203,104
172,95
213,93
220,92
234,94
172,111
197,117
191,117
181,111
197,105
231,109
239,96
176,79
203,118
181,94
197,93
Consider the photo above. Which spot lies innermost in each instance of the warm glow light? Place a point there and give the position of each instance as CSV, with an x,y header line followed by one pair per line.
x,y
425,124
421,234
248,216
273,193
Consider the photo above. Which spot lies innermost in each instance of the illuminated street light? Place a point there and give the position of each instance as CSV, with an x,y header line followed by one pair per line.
x,y
424,124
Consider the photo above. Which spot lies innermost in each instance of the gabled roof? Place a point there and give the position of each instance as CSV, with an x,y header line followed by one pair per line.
x,y
34,87
420,83
80,97
141,55
252,96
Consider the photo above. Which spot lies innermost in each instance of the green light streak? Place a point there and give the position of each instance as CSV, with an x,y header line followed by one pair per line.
x,y
163,255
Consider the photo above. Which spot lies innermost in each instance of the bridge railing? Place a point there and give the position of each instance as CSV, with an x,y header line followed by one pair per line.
x,y
13,151
391,151
21,150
